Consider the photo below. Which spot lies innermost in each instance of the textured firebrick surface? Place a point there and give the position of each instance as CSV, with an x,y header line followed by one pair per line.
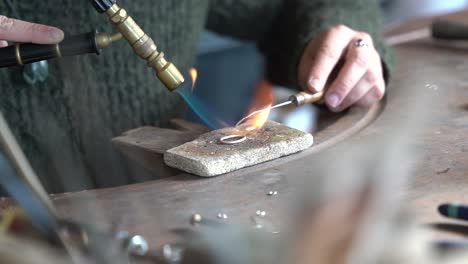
x,y
206,156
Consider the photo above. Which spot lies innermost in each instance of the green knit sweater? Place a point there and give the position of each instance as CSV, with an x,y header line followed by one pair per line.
x,y
65,124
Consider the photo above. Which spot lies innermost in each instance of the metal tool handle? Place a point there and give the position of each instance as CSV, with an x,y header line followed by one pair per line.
x,y
304,98
27,53
23,185
102,5
448,30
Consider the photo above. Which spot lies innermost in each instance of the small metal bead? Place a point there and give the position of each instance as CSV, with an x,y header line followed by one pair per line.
x,y
196,219
173,253
261,213
137,245
272,193
222,216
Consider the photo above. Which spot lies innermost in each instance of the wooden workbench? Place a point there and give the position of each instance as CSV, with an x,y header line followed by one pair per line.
x,y
153,208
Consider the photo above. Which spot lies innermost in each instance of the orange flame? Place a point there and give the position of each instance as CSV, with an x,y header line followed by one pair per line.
x,y
262,101
194,74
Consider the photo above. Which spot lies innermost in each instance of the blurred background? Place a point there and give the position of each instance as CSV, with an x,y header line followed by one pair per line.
x,y
229,70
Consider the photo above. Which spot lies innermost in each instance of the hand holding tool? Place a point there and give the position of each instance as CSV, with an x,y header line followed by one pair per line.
x,y
142,44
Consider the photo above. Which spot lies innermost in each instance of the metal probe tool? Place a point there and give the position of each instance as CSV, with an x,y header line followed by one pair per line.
x,y
438,29
298,99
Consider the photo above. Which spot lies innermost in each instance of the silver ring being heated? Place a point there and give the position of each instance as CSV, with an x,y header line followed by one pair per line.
x,y
233,139
360,43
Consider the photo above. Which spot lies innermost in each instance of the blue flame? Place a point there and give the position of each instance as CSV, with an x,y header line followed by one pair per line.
x,y
200,108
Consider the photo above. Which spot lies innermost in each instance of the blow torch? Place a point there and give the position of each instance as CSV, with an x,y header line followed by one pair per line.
x,y
142,44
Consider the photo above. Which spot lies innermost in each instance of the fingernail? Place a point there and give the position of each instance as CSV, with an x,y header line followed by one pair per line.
x,y
55,34
315,85
333,100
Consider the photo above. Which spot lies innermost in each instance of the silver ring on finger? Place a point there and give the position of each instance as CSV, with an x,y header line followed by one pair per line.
x,y
360,43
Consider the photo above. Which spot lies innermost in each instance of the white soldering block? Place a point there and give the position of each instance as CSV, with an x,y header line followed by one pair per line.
x,y
206,156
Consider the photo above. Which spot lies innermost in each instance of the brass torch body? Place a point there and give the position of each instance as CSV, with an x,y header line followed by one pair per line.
x,y
145,47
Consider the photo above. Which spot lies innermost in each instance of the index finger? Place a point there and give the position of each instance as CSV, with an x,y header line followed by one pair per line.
x,y
321,65
22,31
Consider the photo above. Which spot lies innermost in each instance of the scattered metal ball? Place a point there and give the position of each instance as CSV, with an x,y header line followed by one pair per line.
x,y
137,245
272,193
222,216
173,253
196,219
261,213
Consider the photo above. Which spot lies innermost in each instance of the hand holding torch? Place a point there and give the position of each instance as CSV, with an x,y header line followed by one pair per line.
x,y
142,44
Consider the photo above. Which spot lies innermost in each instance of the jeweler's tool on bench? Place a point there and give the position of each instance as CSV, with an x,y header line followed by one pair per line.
x,y
37,218
142,44
19,180
439,29
297,100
